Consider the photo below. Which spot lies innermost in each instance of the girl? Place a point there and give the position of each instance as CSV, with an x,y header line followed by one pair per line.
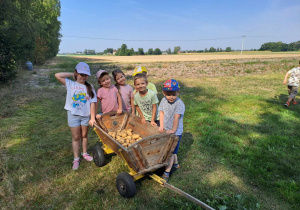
x,y
145,100
80,105
126,91
107,94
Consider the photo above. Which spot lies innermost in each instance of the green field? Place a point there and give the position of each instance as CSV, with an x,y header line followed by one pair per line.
x,y
239,149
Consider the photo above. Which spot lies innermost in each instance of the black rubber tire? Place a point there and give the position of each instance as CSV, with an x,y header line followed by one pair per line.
x,y
125,185
98,156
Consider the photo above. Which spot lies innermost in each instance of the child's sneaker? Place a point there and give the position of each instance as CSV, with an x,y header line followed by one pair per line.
x,y
287,104
166,176
87,157
75,164
295,102
176,166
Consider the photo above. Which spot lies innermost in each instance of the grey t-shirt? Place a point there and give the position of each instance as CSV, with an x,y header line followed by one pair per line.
x,y
169,112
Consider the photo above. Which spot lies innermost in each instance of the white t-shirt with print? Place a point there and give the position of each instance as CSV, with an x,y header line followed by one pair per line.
x,y
78,100
170,109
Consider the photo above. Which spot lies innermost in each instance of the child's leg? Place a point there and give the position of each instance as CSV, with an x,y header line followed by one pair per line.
x,y
76,135
169,166
84,137
175,159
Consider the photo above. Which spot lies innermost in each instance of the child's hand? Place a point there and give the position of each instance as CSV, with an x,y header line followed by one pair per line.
x,y
153,123
284,82
133,112
119,111
91,122
161,129
98,116
143,121
170,131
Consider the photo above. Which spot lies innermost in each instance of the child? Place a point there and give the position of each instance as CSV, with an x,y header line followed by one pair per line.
x,y
293,84
107,94
145,101
171,111
80,104
142,70
125,90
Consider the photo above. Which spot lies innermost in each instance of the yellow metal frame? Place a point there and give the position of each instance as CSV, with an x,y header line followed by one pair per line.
x,y
105,148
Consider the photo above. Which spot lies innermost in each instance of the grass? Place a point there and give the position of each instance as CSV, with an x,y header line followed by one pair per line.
x,y
239,150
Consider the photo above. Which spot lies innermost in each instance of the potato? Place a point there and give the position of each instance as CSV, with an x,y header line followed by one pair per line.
x,y
129,138
135,136
124,135
129,133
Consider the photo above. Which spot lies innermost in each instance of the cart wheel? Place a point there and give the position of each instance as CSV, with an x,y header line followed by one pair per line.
x,y
125,185
98,156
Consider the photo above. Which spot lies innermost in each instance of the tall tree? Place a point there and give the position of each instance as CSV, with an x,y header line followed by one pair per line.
x,y
157,51
177,49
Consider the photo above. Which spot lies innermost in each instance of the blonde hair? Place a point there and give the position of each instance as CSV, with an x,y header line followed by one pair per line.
x,y
140,76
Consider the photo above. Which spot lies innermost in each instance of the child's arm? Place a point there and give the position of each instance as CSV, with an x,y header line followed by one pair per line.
x,y
154,109
161,121
132,106
93,114
141,114
61,77
119,111
285,78
175,124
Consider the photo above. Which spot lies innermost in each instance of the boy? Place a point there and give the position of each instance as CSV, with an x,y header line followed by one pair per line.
x,y
145,101
171,111
293,84
142,70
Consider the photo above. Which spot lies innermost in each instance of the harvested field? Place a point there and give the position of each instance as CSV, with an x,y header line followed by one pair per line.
x,y
197,65
186,57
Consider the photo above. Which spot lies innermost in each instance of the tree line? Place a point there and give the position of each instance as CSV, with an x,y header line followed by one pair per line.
x,y
124,51
280,46
29,30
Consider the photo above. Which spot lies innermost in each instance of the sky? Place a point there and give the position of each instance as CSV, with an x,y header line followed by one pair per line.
x,y
190,24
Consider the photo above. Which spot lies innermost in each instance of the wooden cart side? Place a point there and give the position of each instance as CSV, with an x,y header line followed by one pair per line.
x,y
115,146
152,152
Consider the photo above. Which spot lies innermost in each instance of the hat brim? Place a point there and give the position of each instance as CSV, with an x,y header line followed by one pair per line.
x,y
83,72
171,89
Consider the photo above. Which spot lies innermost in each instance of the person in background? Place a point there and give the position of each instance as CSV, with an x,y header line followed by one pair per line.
x,y
293,84
171,111
80,105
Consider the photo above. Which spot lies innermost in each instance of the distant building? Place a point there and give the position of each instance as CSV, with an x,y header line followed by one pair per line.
x,y
79,52
114,52
164,53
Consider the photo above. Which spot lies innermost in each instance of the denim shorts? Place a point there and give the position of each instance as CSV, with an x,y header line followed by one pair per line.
x,y
177,147
77,120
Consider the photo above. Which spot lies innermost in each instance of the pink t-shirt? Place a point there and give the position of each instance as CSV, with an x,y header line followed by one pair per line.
x,y
127,94
108,98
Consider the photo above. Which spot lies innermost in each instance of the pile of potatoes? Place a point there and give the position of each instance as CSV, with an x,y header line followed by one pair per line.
x,y
125,137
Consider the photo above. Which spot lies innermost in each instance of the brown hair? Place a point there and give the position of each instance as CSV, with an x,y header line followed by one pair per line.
x,y
140,76
87,85
115,73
